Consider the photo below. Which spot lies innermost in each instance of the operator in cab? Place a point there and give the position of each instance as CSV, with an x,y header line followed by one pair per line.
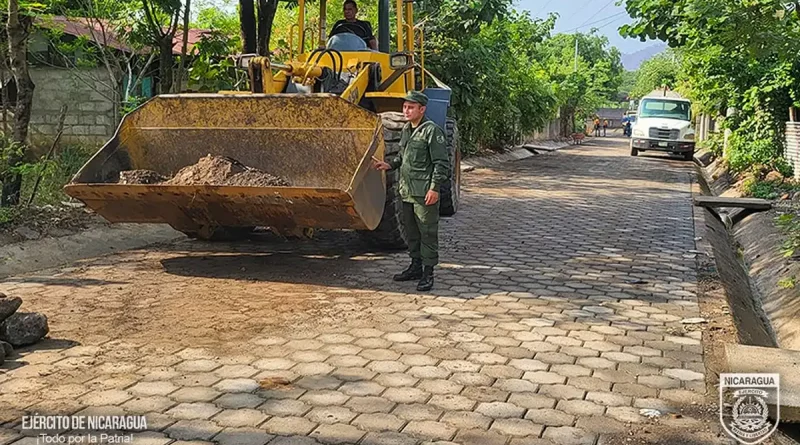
x,y
352,25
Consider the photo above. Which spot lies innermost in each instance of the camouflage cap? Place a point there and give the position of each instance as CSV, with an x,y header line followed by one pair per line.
x,y
416,96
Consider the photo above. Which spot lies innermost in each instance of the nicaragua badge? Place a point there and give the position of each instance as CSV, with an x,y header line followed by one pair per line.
x,y
744,406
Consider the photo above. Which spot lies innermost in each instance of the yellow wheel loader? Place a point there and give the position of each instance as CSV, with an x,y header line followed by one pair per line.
x,y
317,120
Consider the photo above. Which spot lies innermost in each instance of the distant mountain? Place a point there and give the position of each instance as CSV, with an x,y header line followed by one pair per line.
x,y
632,61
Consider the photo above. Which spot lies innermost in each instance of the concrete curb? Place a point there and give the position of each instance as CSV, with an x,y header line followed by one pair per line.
x,y
515,154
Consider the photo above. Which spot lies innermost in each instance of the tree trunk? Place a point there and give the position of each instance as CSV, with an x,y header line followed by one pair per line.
x,y
247,25
185,47
165,65
17,29
266,17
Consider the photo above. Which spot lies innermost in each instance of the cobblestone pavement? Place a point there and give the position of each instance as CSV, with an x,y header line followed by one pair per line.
x,y
554,320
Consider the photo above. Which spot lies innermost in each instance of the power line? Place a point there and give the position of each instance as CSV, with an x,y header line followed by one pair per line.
x,y
619,14
598,11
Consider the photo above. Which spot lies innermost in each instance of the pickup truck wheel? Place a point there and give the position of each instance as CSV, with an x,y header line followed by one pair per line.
x,y
688,156
634,151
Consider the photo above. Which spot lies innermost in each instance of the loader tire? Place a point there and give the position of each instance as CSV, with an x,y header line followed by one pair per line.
x,y
390,233
450,192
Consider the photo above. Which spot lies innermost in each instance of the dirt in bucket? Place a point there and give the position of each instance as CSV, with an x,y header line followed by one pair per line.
x,y
209,170
140,177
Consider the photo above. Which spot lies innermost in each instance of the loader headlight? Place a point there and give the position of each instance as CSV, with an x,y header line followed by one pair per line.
x,y
399,60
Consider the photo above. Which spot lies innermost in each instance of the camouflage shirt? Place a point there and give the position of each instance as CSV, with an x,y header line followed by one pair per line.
x,y
423,160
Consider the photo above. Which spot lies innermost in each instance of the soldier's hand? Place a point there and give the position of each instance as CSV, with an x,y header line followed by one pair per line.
x,y
431,198
377,164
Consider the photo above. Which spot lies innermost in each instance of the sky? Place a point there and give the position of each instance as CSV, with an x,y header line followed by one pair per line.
x,y
584,15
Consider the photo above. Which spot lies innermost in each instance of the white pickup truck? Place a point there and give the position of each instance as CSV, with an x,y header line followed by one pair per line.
x,y
664,123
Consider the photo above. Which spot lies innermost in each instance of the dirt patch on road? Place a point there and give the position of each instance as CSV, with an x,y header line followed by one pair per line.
x,y
209,170
19,224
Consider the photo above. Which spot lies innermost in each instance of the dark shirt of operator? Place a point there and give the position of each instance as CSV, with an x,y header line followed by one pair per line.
x,y
358,27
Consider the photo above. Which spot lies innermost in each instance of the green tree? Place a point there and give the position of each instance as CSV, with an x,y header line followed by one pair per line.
x,y
740,55
662,70
582,84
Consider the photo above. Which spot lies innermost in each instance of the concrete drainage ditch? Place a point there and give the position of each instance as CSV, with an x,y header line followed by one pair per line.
x,y
767,317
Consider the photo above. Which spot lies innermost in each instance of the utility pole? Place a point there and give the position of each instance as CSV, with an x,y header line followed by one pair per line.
x,y
576,52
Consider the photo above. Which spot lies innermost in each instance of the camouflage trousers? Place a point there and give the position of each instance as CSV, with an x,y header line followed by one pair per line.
x,y
422,230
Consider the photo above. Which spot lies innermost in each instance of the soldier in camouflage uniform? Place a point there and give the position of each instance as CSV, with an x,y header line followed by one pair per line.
x,y
424,166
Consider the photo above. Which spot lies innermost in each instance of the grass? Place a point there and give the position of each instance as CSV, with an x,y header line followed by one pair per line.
x,y
56,173
788,283
767,190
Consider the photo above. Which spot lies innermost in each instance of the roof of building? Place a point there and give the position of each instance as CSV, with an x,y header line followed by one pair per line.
x,y
101,32
611,113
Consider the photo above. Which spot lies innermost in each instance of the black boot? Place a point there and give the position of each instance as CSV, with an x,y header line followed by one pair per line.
x,y
414,271
426,282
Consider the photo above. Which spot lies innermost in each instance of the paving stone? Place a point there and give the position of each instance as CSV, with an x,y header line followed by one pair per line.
x,y
596,363
565,392
353,374
237,385
396,380
466,420
147,404
564,435
105,398
293,440
388,438
196,379
485,394
634,390
460,366
284,407
369,405
551,417
346,361
571,370
449,402
152,388
286,426
193,411
379,422
531,400
438,386
419,360
429,372
330,415
337,433
379,354
427,429
195,394
516,385
544,378
362,388
580,407
472,379
387,366
658,381
324,397
555,358
516,427
240,418
608,398
238,400
418,411
406,395
502,371
242,436
479,437
624,414
192,430
683,374
612,376
499,410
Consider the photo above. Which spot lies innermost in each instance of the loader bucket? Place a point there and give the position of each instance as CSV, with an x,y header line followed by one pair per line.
x,y
320,143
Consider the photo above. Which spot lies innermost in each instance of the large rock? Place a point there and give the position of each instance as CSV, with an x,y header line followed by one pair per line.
x,y
24,328
8,306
